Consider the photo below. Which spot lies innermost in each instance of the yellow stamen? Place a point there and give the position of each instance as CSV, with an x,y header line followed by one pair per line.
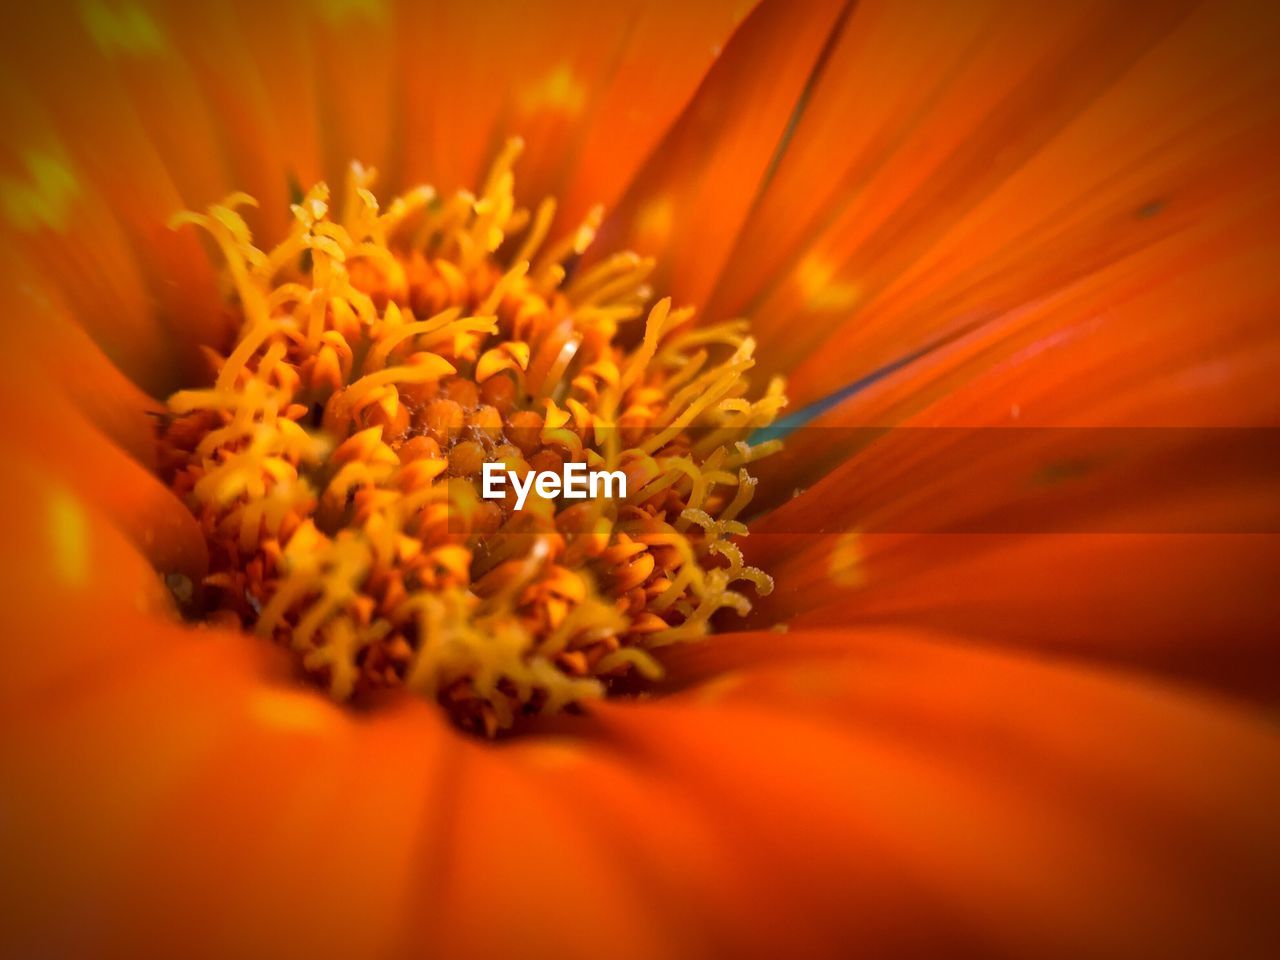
x,y
334,464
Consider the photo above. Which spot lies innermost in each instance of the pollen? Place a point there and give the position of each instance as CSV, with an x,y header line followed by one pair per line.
x,y
380,357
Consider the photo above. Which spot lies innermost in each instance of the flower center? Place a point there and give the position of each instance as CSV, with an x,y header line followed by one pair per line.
x,y
383,358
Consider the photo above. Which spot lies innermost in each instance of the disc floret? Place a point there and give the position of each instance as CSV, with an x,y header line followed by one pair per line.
x,y
382,357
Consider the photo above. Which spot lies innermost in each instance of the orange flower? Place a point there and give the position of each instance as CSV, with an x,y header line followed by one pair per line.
x,y
1011,694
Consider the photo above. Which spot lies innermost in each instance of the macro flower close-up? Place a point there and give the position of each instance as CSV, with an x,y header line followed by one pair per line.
x,y
642,479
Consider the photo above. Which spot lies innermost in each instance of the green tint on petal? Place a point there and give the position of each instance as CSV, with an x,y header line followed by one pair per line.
x,y
43,197
122,28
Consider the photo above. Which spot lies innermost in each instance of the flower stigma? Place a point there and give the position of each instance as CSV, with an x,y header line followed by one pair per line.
x,y
385,363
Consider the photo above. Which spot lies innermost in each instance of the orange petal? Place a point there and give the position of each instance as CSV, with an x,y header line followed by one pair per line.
x,y
73,454
590,88
686,206
1007,153
1176,333
1146,547
306,829
518,839
73,584
1179,332
922,796
94,189
85,256
43,350
358,103
99,761
1198,607
689,881
253,68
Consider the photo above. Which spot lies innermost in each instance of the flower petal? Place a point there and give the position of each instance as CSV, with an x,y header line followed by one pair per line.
x,y
687,205
1195,607
96,764
73,585
1176,333
518,840
919,795
1166,566
73,454
590,88
305,830
1007,153
89,190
